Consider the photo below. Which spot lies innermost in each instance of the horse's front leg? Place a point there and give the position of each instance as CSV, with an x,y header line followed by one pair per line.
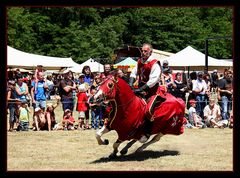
x,y
153,140
115,149
98,135
125,149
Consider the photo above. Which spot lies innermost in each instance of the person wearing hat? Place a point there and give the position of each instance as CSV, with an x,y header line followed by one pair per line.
x,y
66,88
193,117
167,80
200,90
68,120
39,120
148,71
50,114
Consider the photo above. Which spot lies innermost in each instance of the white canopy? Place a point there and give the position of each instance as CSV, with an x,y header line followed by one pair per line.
x,y
16,58
94,66
194,58
127,62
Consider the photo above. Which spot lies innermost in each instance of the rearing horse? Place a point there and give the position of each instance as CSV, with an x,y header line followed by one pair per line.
x,y
128,111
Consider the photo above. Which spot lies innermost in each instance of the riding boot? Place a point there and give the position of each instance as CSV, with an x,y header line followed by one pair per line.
x,y
147,128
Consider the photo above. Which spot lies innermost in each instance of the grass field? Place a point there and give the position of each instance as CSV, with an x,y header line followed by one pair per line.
x,y
195,150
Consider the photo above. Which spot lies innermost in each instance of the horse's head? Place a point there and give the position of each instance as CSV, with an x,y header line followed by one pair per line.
x,y
107,89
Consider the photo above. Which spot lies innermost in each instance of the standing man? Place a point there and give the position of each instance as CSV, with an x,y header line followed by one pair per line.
x,y
39,87
66,88
148,70
200,89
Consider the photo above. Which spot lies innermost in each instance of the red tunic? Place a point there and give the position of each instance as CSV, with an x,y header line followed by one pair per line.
x,y
82,101
144,71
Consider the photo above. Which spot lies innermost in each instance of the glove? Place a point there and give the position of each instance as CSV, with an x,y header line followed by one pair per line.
x,y
131,81
141,89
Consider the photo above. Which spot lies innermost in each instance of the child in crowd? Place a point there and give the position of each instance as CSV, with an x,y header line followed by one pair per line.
x,y
96,111
68,120
23,122
193,117
82,107
39,120
50,115
38,69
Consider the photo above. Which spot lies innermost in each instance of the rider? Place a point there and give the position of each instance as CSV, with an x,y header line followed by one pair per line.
x,y
148,69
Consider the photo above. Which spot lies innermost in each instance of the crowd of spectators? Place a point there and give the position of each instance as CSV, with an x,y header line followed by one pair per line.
x,y
208,98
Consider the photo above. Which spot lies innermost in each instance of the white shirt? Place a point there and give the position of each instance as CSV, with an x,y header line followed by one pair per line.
x,y
198,85
154,76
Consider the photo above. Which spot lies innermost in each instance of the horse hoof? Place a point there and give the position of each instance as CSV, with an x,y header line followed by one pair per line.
x,y
123,152
106,142
112,156
139,150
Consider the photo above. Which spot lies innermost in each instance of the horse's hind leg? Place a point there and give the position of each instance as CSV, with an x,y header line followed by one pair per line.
x,y
153,140
125,149
115,149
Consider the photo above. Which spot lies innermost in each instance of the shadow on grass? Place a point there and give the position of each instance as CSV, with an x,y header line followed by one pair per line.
x,y
138,156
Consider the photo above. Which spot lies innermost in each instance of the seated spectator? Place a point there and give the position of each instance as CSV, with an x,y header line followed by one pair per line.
x,y
193,117
39,119
68,120
212,115
50,115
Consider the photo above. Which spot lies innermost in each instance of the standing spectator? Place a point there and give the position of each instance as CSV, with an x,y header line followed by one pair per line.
x,y
21,88
88,76
82,107
214,79
206,78
167,80
50,85
212,115
66,87
38,92
179,89
107,69
165,66
225,92
68,120
122,75
24,112
200,89
12,104
96,111
148,69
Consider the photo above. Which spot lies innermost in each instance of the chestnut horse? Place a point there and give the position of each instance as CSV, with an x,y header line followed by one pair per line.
x,y
128,111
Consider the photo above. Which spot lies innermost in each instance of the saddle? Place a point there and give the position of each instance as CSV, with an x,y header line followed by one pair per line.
x,y
154,101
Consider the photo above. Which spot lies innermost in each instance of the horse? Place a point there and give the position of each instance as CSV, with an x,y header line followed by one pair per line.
x,y
127,115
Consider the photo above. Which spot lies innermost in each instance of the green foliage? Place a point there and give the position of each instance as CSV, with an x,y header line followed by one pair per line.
x,y
82,33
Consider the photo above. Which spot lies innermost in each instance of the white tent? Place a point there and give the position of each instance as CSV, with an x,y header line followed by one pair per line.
x,y
16,58
190,57
127,62
94,66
